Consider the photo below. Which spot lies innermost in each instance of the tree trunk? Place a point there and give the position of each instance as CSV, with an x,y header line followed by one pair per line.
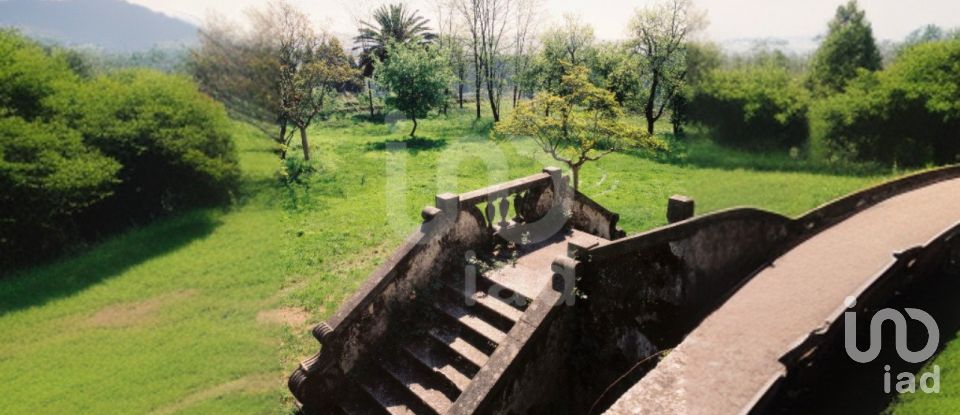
x,y
476,96
370,96
282,141
414,127
515,92
651,100
446,100
478,70
461,95
575,171
494,105
304,143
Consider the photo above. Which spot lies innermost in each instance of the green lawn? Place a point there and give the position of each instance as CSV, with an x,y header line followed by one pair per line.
x,y
203,312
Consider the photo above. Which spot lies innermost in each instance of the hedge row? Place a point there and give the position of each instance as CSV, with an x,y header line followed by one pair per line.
x,y
79,157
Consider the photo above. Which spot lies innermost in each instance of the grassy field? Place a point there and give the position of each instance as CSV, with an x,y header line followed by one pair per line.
x,y
208,311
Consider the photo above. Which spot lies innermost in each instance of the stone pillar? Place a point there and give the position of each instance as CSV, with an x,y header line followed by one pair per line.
x,y
679,208
449,203
555,173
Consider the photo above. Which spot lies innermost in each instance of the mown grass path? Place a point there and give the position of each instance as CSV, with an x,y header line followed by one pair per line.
x,y
207,312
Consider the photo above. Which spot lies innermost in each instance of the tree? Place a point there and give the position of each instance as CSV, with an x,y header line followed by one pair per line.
x,y
522,55
470,12
391,23
615,69
701,60
452,47
848,48
416,77
563,46
659,35
755,107
582,126
906,114
276,75
242,70
487,21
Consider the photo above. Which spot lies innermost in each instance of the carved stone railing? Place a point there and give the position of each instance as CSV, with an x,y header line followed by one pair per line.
x,y
537,202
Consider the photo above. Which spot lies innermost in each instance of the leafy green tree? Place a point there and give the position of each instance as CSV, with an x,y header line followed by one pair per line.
x,y
416,77
848,47
753,107
615,69
578,127
908,114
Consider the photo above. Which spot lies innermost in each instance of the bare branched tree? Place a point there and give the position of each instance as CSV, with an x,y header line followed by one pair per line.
x,y
278,75
659,37
526,19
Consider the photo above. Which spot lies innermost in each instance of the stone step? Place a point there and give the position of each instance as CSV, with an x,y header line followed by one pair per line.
x,y
472,321
350,407
487,285
467,354
436,358
423,385
502,308
354,401
393,398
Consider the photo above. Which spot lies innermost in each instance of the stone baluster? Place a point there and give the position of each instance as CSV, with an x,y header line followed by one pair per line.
x,y
517,200
490,211
504,210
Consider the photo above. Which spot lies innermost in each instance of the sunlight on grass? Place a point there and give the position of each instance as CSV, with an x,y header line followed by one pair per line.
x,y
164,318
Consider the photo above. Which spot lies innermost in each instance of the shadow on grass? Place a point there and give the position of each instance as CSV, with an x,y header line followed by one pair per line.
x,y
413,145
40,284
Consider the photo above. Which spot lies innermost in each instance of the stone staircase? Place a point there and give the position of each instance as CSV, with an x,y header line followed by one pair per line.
x,y
432,364
430,333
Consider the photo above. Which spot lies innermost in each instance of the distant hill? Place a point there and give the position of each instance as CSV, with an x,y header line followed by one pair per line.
x,y
111,25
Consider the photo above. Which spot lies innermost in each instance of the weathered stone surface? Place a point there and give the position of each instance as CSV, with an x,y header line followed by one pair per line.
x,y
679,208
634,296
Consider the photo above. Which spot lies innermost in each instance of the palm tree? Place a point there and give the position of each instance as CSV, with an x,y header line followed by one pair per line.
x,y
393,22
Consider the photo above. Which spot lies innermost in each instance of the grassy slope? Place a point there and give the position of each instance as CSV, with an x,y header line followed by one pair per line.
x,y
165,318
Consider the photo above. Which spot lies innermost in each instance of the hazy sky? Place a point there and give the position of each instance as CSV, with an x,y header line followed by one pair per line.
x,y
729,19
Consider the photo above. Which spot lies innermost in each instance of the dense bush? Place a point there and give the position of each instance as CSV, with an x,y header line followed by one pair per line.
x,y
29,75
172,141
46,175
752,107
908,114
82,156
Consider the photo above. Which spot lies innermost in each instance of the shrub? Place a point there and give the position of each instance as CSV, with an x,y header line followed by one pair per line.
x,y
753,107
908,114
47,174
172,141
28,75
